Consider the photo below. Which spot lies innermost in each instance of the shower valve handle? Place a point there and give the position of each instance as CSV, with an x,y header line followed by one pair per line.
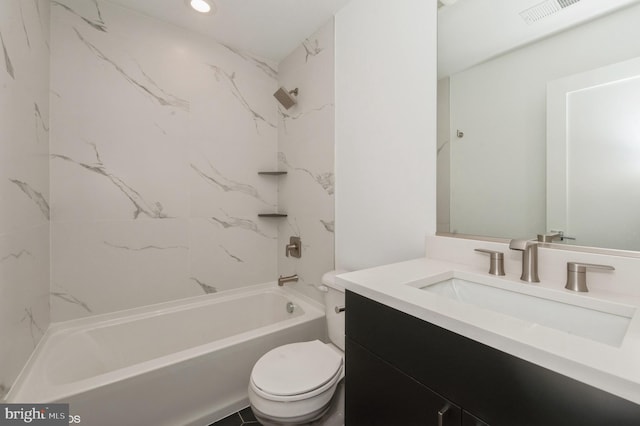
x,y
294,248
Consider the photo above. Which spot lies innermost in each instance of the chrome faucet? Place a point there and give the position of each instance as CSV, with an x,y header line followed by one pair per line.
x,y
529,251
291,278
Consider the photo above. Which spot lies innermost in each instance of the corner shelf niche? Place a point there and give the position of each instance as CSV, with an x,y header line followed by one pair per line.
x,y
272,215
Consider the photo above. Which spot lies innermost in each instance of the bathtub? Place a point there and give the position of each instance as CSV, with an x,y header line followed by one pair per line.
x,y
179,363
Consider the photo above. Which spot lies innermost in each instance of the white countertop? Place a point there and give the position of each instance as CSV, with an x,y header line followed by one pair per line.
x,y
615,369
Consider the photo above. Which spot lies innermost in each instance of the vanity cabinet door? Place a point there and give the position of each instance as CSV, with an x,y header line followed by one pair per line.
x,y
499,388
469,420
379,394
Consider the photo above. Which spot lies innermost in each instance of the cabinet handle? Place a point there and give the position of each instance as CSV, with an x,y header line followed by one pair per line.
x,y
441,414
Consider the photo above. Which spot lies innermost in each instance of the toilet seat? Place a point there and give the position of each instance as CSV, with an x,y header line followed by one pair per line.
x,y
291,398
296,371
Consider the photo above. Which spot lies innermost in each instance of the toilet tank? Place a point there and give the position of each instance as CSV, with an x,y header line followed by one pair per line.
x,y
334,297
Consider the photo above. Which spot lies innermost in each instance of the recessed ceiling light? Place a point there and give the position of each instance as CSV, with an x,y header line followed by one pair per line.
x,y
202,6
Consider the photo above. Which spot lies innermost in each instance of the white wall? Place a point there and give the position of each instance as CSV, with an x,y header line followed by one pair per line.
x,y
385,131
157,135
306,152
24,182
498,168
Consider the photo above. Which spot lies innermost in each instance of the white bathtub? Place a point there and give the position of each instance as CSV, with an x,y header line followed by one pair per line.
x,y
178,363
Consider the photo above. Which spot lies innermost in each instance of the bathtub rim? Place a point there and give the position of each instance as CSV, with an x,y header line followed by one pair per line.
x,y
313,310
177,304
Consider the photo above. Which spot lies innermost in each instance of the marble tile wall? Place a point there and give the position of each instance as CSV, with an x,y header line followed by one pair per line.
x,y
157,135
306,152
24,182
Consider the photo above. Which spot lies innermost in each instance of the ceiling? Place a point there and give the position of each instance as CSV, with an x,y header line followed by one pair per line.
x,y
269,29
473,31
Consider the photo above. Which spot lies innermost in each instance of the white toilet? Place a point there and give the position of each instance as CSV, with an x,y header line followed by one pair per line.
x,y
294,384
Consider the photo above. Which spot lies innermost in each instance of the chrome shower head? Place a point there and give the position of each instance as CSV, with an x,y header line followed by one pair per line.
x,y
286,98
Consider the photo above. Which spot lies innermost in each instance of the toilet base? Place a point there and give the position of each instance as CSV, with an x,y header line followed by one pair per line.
x,y
290,421
330,415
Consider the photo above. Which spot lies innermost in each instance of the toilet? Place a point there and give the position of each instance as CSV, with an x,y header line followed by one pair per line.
x,y
294,384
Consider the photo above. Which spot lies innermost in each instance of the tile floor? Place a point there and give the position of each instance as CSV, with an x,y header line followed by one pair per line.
x,y
241,418
335,416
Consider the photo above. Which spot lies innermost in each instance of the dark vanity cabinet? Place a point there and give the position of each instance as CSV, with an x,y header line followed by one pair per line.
x,y
380,394
469,420
401,370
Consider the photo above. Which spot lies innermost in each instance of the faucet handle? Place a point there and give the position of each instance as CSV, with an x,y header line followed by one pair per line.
x,y
577,275
496,259
294,248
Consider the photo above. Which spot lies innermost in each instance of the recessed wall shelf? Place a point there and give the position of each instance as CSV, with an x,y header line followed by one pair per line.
x,y
272,173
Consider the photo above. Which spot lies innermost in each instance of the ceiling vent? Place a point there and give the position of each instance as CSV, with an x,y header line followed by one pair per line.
x,y
545,9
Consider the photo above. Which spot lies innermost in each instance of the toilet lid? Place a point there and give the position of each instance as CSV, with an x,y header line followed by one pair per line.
x,y
296,368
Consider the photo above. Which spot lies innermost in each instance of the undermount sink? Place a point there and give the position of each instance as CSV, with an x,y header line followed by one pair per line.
x,y
607,323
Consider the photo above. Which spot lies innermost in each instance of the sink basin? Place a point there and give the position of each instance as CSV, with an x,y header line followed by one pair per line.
x,y
606,324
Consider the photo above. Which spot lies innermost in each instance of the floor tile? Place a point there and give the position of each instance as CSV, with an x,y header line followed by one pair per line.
x,y
243,417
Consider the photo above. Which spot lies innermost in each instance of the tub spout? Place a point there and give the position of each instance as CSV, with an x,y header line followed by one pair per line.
x,y
291,278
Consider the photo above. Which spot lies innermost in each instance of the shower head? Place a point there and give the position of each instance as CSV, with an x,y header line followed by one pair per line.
x,y
286,98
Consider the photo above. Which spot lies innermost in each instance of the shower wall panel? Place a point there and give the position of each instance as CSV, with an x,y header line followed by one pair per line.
x,y
306,152
24,182
157,135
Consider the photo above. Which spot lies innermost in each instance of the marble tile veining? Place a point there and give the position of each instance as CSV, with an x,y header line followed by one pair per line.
x,y
208,289
214,177
34,329
234,257
149,209
287,115
71,299
7,60
152,91
326,180
16,256
149,247
34,195
97,24
241,223
311,48
40,122
24,183
262,65
229,79
329,225
24,27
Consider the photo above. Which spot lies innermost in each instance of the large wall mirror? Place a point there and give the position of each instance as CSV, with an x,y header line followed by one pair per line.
x,y
539,120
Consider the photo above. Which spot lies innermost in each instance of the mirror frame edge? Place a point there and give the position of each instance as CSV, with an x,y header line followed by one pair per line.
x,y
582,249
